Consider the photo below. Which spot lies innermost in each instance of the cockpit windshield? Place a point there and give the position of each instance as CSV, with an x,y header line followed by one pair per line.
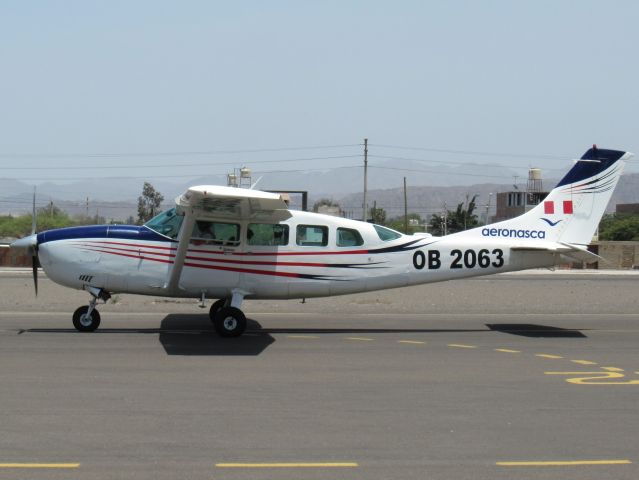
x,y
166,223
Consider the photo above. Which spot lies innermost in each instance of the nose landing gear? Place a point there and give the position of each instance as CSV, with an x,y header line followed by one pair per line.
x,y
87,318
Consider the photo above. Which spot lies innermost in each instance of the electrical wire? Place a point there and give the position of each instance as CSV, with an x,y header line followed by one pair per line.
x,y
169,154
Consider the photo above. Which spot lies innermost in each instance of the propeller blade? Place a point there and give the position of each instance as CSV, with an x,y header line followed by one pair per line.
x,y
29,246
35,264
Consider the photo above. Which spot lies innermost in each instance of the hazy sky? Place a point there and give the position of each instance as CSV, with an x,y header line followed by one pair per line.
x,y
176,82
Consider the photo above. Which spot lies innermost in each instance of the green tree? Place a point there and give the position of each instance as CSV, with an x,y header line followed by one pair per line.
x,y
462,218
47,218
148,203
378,216
415,223
619,227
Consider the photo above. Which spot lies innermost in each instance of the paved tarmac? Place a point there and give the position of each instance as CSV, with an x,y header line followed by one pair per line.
x,y
528,376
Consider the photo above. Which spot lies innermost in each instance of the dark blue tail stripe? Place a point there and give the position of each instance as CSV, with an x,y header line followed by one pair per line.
x,y
600,160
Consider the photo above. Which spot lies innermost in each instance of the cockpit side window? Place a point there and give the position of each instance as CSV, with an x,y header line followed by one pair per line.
x,y
166,223
216,232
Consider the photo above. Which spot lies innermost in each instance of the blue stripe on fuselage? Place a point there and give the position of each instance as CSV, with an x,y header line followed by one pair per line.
x,y
126,232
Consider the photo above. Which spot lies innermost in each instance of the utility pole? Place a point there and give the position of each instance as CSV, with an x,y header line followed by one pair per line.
x,y
405,209
365,215
445,218
33,215
87,208
490,195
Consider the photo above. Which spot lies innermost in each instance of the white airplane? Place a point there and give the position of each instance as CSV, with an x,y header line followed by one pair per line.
x,y
231,244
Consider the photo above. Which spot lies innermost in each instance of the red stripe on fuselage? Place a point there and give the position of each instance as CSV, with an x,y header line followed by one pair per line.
x,y
139,251
255,262
244,270
128,245
138,257
245,254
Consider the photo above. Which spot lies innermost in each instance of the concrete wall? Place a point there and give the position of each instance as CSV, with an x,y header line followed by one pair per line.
x,y
618,255
12,259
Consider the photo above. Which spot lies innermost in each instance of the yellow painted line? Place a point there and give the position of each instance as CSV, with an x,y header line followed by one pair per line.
x,y
361,339
459,345
39,465
612,369
287,465
571,463
412,342
506,350
302,336
584,362
545,355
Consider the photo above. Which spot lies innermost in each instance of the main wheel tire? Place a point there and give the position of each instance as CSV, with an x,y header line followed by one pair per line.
x,y
216,307
229,322
86,323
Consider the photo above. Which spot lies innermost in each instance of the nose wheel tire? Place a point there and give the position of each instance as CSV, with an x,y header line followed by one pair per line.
x,y
229,322
86,323
216,307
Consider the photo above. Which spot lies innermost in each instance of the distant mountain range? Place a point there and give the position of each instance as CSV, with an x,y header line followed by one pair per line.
x,y
430,189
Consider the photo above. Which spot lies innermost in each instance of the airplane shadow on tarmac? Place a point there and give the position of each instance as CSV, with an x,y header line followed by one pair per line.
x,y
190,334
535,331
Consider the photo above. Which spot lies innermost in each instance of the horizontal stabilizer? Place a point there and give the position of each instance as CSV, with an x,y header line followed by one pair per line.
x,y
574,252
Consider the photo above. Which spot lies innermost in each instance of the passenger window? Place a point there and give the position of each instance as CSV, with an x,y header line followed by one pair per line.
x,y
312,235
216,232
347,237
265,234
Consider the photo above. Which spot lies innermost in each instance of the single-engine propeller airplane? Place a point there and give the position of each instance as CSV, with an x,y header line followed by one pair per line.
x,y
230,244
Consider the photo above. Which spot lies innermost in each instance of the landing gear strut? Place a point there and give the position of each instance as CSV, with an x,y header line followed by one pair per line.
x,y
87,318
227,318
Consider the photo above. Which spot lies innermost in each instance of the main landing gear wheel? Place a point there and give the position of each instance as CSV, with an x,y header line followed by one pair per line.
x,y
229,322
216,307
86,323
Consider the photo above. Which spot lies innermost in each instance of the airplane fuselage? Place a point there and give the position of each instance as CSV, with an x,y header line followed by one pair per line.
x,y
344,256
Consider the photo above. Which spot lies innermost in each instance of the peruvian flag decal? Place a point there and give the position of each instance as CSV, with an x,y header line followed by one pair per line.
x,y
549,207
568,207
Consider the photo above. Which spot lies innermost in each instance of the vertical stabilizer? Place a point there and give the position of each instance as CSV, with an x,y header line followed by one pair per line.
x,y
572,210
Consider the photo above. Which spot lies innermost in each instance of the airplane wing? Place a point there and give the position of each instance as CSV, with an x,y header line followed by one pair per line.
x,y
238,203
209,201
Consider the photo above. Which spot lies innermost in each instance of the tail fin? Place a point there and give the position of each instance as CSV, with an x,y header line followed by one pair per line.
x,y
572,210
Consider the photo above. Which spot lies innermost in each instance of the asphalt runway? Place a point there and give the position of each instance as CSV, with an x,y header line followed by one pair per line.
x,y
529,376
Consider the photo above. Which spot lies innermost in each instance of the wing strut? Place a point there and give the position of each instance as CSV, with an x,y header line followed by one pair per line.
x,y
175,271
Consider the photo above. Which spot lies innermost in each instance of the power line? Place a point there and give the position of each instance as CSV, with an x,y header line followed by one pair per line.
x,y
439,173
468,164
168,154
473,152
173,165
191,175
